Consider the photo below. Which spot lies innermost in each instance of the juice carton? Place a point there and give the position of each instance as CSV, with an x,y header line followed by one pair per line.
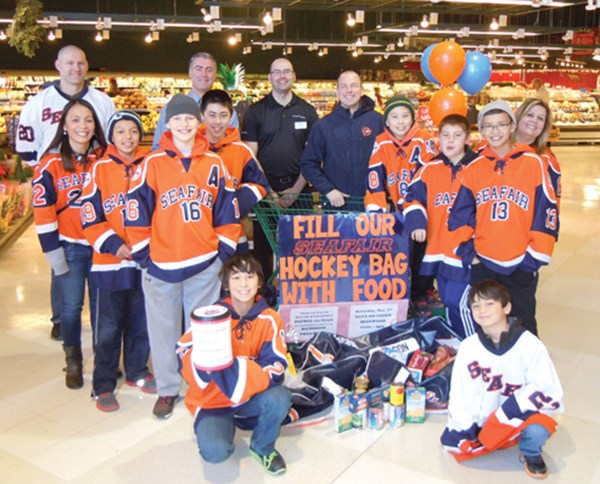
x,y
415,405
342,414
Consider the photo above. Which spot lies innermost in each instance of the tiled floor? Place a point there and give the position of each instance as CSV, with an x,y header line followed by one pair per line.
x,y
49,434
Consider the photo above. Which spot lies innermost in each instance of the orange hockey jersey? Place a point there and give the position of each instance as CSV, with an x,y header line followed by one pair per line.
x,y
428,201
57,202
259,350
506,212
182,212
104,202
392,165
249,180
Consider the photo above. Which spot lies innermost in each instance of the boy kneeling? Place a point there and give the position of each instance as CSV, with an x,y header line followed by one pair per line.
x,y
504,386
249,393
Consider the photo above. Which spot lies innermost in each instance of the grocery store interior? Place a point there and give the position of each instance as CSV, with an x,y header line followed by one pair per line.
x,y
51,434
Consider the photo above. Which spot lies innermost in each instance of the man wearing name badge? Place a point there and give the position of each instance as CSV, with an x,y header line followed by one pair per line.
x,y
203,73
39,119
276,129
336,158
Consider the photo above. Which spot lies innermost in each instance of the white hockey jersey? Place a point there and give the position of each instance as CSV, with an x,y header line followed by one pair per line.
x,y
508,384
40,117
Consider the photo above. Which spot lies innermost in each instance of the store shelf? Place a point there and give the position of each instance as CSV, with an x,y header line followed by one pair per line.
x,y
14,231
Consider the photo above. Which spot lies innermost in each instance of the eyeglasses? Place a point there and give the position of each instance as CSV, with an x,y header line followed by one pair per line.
x,y
279,72
491,127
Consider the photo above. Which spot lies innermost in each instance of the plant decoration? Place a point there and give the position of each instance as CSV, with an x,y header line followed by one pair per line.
x,y
231,77
25,33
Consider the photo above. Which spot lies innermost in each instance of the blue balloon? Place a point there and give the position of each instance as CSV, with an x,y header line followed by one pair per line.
x,y
425,65
476,74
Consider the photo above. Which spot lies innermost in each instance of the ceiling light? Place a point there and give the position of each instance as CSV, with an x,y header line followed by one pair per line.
x,y
355,53
97,38
596,54
536,3
494,24
148,38
351,22
267,19
207,17
51,36
425,22
320,53
591,5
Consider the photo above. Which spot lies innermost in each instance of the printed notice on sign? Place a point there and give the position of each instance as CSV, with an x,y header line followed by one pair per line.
x,y
369,317
307,321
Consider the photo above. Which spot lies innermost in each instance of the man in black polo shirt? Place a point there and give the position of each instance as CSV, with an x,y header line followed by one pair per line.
x,y
276,129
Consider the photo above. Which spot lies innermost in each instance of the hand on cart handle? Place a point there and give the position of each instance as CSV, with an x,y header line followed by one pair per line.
x,y
337,198
287,197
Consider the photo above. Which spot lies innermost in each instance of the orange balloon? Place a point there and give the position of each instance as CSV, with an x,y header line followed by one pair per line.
x,y
447,62
446,101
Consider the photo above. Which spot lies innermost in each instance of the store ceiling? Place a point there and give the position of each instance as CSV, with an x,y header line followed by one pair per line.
x,y
392,27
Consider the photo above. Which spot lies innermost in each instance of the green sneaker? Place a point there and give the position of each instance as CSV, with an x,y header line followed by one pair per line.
x,y
272,463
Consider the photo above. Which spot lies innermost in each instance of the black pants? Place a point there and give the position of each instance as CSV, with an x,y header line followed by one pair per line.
x,y
521,286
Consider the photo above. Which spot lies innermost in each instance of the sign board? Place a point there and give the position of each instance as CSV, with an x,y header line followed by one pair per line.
x,y
343,273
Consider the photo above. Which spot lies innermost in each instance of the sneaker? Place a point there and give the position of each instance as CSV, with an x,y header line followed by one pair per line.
x,y
272,463
55,333
146,384
106,402
163,408
535,466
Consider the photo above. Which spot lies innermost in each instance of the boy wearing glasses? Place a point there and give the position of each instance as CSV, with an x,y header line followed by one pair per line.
x,y
505,215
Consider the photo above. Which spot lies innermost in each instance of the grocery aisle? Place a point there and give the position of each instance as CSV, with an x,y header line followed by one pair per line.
x,y
49,434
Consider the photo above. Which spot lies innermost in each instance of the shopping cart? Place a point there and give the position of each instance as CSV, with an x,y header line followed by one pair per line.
x,y
268,212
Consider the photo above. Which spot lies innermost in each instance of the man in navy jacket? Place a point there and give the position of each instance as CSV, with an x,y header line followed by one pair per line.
x,y
336,158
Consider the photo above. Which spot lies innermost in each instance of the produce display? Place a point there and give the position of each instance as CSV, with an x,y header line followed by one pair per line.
x,y
131,100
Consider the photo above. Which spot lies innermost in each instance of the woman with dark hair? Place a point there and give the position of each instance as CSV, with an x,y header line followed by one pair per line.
x,y
534,122
57,186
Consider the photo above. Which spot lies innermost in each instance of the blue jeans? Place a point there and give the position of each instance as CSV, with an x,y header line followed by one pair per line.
x,y
55,298
532,439
72,287
265,410
121,322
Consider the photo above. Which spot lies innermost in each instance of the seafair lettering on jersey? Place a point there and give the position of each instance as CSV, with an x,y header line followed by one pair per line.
x,y
445,198
53,117
74,179
504,192
116,200
186,192
496,382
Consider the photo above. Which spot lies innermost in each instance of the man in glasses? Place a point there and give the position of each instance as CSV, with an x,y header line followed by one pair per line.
x,y
505,216
276,129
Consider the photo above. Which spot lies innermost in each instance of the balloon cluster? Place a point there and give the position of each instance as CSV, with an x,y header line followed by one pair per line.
x,y
444,64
